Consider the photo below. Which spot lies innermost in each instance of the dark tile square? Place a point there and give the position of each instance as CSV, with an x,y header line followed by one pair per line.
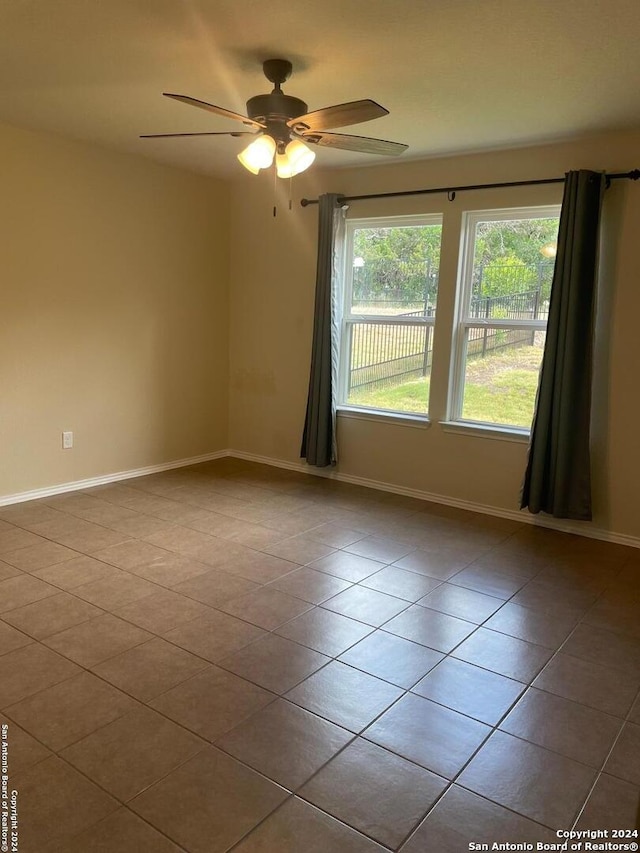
x,y
430,628
349,567
324,631
344,695
298,826
574,730
613,804
461,818
435,737
212,702
52,788
366,605
478,693
266,607
310,585
549,628
209,803
275,663
532,781
121,831
379,793
392,658
505,655
152,668
29,669
463,603
132,752
284,742
590,684
624,761
66,712
403,584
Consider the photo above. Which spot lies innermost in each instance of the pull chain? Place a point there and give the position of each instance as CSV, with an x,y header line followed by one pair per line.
x,y
275,192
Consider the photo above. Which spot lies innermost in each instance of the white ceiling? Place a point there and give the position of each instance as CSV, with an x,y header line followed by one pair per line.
x,y
456,75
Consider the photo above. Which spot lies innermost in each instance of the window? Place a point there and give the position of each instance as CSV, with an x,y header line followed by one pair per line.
x,y
497,309
388,313
501,317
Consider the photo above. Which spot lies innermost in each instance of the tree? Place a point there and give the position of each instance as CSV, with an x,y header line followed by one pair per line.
x,y
413,243
508,257
401,264
504,277
398,264
522,238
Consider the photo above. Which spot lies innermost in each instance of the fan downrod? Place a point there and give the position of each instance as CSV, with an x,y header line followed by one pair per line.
x,y
277,71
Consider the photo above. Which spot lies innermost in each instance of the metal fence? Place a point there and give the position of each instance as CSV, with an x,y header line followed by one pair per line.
x,y
392,283
388,285
530,305
381,355
510,279
481,342
384,354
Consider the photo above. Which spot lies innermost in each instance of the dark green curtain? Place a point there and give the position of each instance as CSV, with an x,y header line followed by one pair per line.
x,y
558,475
318,437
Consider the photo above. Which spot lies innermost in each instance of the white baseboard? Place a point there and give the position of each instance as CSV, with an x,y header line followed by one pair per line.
x,y
579,528
565,526
78,485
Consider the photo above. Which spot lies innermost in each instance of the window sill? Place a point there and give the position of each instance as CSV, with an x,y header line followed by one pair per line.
x,y
396,418
519,436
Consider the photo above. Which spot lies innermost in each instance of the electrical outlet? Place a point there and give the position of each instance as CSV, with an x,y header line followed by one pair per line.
x,y
67,440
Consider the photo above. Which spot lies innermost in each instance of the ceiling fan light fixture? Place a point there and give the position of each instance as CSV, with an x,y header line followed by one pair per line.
x,y
258,155
283,166
279,123
298,156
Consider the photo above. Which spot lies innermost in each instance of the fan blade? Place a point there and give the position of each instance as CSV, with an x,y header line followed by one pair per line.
x,y
228,133
340,115
219,111
364,144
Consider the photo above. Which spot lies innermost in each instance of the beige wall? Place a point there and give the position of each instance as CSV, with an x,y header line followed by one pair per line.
x,y
114,318
272,292
113,312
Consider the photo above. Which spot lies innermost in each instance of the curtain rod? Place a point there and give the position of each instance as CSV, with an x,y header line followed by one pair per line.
x,y
634,175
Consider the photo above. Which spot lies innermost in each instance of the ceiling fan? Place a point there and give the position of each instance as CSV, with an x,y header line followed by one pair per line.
x,y
282,125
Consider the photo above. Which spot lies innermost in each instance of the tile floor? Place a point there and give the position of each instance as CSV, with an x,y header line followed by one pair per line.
x,y
236,657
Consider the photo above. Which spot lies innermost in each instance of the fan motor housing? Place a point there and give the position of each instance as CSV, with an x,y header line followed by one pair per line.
x,y
275,106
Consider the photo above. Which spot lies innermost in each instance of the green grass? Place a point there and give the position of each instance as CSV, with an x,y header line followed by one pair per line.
x,y
411,396
509,400
499,389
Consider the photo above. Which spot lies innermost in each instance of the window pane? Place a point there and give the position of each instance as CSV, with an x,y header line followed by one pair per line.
x,y
512,268
501,375
508,277
395,270
390,366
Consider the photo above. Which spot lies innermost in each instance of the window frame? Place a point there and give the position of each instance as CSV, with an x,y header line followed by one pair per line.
x,y
463,322
348,319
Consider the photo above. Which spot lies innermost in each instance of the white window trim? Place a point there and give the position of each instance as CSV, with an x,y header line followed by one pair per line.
x,y
349,319
470,220
387,416
518,435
